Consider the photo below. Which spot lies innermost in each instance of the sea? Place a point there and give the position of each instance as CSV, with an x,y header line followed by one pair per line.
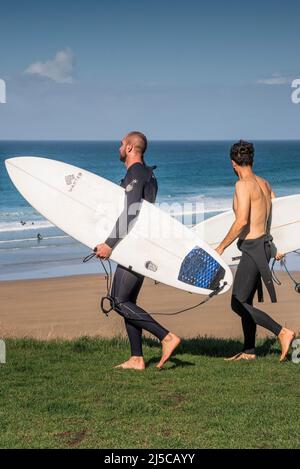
x,y
195,177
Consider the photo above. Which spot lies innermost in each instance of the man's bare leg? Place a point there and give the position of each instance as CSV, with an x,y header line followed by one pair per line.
x,y
285,338
134,363
169,344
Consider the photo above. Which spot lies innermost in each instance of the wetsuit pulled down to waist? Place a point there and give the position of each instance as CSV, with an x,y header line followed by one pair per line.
x,y
253,267
259,251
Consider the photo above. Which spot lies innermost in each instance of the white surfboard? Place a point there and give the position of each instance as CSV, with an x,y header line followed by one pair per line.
x,y
86,207
285,228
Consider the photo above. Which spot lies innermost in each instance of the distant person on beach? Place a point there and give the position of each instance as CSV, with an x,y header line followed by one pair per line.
x,y
39,237
252,207
139,183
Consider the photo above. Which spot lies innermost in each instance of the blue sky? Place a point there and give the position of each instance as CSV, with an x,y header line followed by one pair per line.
x,y
173,69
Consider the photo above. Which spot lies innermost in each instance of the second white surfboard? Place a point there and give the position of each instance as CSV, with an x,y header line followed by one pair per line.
x,y
285,228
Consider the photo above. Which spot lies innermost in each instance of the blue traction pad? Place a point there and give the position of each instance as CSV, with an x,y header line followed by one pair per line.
x,y
201,270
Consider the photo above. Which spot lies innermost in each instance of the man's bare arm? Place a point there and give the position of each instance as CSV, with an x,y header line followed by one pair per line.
x,y
242,216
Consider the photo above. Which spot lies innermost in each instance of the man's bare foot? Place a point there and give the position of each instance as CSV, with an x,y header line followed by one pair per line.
x,y
134,363
169,344
285,337
241,356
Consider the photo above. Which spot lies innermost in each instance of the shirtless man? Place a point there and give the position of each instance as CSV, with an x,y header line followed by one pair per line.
x,y
252,207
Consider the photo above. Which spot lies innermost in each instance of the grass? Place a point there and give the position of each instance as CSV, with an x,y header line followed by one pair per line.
x,y
63,394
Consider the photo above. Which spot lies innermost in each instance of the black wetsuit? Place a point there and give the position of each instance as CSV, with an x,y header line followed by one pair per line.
x,y
253,267
139,183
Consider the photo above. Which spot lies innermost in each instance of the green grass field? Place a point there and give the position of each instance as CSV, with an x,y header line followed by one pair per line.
x,y
67,395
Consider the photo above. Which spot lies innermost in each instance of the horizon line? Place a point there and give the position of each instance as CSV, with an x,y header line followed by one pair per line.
x,y
153,140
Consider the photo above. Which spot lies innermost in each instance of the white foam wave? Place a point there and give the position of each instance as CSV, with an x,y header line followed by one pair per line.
x,y
196,207
17,226
32,239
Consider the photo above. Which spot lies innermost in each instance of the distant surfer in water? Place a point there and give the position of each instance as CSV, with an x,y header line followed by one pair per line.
x,y
252,207
139,183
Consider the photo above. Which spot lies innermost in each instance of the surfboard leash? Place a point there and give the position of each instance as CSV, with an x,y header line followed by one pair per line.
x,y
113,305
209,297
276,279
108,278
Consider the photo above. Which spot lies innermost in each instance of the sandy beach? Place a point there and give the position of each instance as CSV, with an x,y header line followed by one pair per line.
x,y
68,307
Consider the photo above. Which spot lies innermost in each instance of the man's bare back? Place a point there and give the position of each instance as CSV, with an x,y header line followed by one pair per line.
x,y
260,195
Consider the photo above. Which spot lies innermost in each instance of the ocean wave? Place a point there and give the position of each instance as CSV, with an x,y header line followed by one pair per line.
x,y
22,240
17,226
16,214
13,214
18,248
195,206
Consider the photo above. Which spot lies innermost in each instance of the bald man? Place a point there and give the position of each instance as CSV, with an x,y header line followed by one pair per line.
x,y
139,183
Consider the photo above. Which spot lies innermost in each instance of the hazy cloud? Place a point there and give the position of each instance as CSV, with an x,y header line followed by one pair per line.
x,y
60,69
275,79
